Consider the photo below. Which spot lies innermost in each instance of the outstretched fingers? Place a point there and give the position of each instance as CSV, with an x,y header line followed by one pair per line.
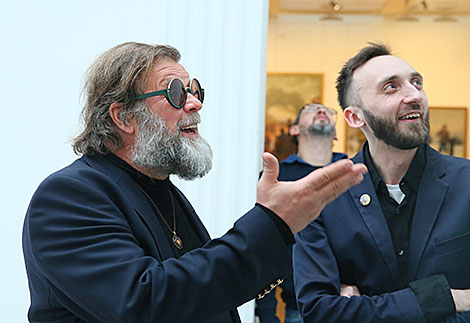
x,y
327,174
333,180
343,182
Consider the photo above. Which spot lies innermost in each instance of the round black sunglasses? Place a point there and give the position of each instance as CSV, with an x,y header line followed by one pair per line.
x,y
176,93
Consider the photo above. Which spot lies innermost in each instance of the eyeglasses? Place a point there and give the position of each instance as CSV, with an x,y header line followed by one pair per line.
x,y
176,94
315,108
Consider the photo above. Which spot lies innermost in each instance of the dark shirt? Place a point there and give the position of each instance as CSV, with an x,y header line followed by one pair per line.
x,y
399,215
432,292
290,169
159,191
293,167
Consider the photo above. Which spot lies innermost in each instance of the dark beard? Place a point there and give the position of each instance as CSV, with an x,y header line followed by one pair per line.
x,y
389,133
323,130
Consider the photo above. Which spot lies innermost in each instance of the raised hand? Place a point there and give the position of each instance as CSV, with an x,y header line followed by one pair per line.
x,y
300,202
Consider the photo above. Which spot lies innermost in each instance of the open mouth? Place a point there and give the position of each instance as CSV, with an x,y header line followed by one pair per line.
x,y
410,116
189,129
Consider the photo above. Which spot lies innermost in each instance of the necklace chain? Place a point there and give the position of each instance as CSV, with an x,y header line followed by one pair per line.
x,y
175,239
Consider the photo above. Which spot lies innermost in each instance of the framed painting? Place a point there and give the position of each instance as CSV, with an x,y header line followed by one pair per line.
x,y
286,93
448,132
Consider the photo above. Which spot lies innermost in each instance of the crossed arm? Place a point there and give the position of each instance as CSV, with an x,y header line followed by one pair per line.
x,y
461,297
322,298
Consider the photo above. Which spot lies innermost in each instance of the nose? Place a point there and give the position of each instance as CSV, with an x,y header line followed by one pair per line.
x,y
325,112
192,104
413,94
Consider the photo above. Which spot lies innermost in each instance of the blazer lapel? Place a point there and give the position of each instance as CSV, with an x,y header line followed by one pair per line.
x,y
431,194
139,202
374,219
147,214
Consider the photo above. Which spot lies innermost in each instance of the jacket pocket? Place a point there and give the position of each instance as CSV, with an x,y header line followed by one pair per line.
x,y
452,244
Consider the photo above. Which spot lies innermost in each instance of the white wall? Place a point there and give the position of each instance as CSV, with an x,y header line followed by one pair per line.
x,y
46,47
439,51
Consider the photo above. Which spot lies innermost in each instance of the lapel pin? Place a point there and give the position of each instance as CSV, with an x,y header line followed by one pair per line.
x,y
364,199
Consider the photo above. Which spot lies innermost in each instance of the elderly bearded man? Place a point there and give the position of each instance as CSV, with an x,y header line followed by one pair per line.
x,y
111,239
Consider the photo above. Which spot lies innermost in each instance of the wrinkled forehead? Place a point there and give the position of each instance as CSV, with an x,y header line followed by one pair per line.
x,y
382,67
164,70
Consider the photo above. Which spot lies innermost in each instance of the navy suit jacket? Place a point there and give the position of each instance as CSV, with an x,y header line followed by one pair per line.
x,y
95,252
351,244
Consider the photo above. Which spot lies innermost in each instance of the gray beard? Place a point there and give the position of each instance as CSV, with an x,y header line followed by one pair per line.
x,y
322,130
160,152
389,133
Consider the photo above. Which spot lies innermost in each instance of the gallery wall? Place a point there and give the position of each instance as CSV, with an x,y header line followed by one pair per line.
x,y
440,51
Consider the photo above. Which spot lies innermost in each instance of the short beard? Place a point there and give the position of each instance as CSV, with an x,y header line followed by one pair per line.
x,y
322,130
388,131
162,153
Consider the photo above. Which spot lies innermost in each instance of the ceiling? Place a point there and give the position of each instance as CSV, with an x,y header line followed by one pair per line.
x,y
372,7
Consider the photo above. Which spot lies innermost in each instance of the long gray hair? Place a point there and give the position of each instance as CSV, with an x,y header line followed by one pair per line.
x,y
117,75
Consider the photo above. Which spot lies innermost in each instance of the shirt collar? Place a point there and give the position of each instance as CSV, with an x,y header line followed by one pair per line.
x,y
294,158
413,174
138,176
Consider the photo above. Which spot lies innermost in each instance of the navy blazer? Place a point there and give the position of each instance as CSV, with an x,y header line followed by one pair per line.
x,y
94,252
351,244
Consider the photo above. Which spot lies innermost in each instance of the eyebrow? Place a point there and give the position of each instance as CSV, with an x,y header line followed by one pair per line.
x,y
416,74
387,79
394,77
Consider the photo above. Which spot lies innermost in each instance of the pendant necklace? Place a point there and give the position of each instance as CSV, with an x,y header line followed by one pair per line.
x,y
175,238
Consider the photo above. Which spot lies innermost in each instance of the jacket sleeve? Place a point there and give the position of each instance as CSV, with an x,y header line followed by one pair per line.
x,y
463,317
317,284
79,243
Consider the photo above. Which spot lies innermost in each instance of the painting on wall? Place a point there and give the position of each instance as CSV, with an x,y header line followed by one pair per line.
x,y
354,140
286,93
448,132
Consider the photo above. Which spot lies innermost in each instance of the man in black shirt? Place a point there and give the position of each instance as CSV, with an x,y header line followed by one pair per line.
x,y
111,239
395,248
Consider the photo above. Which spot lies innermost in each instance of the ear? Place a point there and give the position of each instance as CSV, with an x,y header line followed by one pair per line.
x,y
354,117
127,126
294,130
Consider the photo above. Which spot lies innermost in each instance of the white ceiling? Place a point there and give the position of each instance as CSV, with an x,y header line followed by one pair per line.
x,y
373,7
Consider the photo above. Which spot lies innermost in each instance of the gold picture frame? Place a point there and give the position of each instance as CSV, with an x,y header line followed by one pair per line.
x,y
286,93
448,132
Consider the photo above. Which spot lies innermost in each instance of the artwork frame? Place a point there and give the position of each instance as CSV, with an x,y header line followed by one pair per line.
x,y
455,141
286,93
452,118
